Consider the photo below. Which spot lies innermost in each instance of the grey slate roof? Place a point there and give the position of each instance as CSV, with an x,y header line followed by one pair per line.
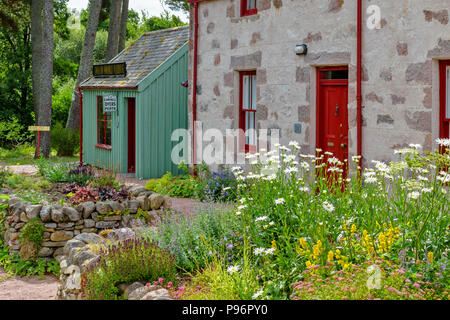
x,y
142,57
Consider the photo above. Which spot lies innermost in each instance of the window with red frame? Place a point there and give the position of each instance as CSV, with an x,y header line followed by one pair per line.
x,y
103,125
247,108
444,130
248,7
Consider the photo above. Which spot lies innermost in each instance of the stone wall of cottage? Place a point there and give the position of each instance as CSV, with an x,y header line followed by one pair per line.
x,y
63,223
400,67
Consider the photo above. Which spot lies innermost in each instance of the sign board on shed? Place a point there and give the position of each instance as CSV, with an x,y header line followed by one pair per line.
x,y
109,103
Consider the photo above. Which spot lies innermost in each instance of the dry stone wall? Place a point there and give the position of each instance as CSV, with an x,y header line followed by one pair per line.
x,y
63,223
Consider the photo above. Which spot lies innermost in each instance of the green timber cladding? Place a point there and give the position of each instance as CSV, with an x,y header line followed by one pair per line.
x,y
157,64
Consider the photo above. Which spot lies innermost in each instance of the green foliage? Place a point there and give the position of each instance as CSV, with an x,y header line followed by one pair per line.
x,y
12,133
33,232
127,261
164,21
175,5
196,241
106,179
13,264
183,186
53,172
4,174
26,183
66,141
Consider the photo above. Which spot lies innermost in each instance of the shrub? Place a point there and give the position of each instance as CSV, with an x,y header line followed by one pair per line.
x,y
389,283
81,174
4,174
84,195
12,263
183,186
127,261
66,141
32,232
197,240
12,133
221,186
57,172
105,179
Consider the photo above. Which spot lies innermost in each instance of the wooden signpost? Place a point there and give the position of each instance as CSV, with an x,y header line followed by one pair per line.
x,y
39,129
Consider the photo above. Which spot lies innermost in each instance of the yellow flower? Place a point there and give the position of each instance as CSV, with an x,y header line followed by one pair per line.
x,y
330,255
274,244
353,229
430,256
303,243
308,264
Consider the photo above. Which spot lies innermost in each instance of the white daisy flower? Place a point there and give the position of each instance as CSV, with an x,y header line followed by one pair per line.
x,y
233,269
259,251
279,201
328,206
263,218
414,195
257,294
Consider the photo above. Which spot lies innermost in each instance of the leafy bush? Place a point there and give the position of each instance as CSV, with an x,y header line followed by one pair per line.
x,y
106,179
4,174
81,174
23,182
66,141
63,90
221,186
53,172
12,133
32,232
197,240
105,193
183,186
12,263
84,195
127,261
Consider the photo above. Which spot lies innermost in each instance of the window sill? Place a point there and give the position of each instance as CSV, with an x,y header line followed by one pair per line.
x,y
103,146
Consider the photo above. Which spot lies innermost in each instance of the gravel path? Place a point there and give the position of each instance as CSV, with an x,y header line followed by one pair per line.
x,y
32,288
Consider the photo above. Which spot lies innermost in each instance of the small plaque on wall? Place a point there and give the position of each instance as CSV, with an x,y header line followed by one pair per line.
x,y
109,103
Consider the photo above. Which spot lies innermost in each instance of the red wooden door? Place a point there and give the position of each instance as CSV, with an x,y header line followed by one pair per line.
x,y
131,116
332,111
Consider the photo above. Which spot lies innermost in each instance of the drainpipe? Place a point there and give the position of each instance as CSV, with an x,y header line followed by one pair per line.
x,y
194,85
81,125
358,82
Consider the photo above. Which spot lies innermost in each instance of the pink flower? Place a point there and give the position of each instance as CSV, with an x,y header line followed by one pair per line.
x,y
416,285
169,285
147,284
160,280
155,283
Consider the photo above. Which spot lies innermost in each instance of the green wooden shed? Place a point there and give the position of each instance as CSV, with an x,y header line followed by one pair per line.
x,y
132,104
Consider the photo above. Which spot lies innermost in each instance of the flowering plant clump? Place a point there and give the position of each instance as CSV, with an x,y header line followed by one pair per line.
x,y
127,261
221,186
315,211
364,282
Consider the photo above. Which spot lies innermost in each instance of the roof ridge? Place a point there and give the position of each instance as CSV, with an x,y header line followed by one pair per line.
x,y
164,30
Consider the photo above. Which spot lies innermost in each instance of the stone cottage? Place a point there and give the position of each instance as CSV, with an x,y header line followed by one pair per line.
x,y
354,77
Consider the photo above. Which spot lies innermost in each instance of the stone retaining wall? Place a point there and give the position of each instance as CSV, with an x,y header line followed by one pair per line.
x,y
62,223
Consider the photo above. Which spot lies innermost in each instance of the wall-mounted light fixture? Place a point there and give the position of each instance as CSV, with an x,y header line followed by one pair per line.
x,y
301,49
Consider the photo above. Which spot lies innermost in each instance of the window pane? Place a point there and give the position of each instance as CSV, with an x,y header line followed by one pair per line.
x,y
100,107
334,74
251,4
250,128
101,132
108,133
245,92
253,92
447,94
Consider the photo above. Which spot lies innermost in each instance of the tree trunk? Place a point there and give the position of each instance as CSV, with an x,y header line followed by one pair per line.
x,y
112,46
45,106
123,25
36,55
87,54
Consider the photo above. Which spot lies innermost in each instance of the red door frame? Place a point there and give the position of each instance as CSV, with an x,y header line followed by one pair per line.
x,y
319,84
444,123
131,146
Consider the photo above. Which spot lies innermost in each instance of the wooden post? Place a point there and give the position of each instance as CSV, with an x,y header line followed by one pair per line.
x,y
38,129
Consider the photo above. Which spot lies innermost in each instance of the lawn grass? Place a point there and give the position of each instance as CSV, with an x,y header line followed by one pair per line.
x,y
23,154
